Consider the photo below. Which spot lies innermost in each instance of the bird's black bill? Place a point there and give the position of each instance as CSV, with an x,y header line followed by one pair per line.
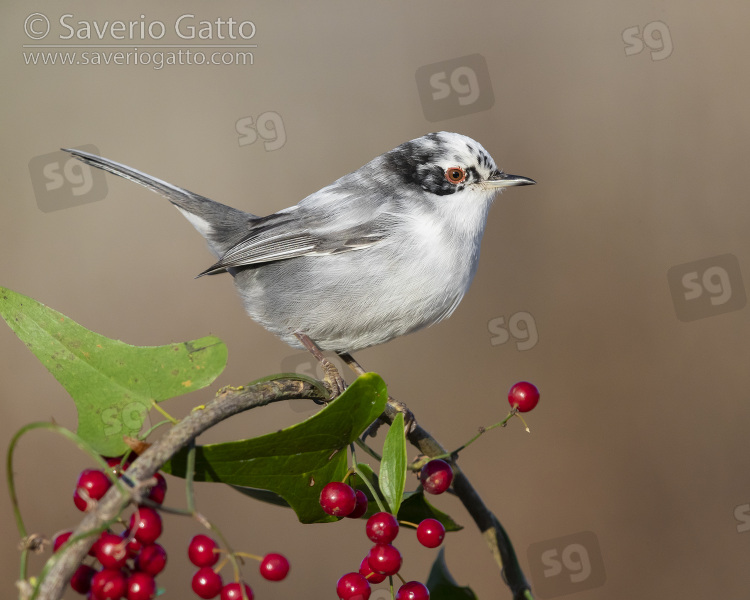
x,y
502,180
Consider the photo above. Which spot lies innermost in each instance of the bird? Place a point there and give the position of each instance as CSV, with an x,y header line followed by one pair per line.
x,y
382,252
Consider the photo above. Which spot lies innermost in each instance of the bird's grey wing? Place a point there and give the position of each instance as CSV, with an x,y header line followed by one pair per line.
x,y
300,231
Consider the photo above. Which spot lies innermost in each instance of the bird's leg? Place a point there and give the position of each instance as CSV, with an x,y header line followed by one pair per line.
x,y
393,405
332,379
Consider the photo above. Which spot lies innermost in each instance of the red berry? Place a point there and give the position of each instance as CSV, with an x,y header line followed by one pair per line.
x,y
60,539
384,559
366,571
91,485
202,551
361,506
141,586
436,476
274,567
413,590
233,591
430,533
81,580
108,584
159,490
152,559
353,586
95,545
382,528
116,466
132,545
524,395
111,551
338,499
145,525
207,583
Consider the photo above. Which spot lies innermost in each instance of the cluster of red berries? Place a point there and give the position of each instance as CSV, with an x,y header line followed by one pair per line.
x,y
127,562
203,552
384,559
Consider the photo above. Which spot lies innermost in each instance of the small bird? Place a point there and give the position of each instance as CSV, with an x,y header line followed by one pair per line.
x,y
379,253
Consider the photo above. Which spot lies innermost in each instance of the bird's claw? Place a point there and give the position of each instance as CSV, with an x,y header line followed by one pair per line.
x,y
391,409
332,379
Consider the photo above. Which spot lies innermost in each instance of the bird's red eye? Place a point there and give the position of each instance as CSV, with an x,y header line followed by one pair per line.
x,y
455,174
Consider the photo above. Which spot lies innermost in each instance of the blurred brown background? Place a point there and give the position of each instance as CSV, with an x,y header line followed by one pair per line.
x,y
615,284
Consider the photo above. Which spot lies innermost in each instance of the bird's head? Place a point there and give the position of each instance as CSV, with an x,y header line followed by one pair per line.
x,y
448,163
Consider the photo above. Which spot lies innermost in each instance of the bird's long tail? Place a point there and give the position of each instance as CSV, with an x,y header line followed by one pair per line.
x,y
216,222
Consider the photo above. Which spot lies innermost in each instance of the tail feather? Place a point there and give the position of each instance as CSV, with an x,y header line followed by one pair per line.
x,y
218,223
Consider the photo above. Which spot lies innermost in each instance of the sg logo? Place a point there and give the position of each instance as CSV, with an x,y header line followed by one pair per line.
x,y
521,326
565,565
742,514
61,181
126,421
655,36
269,125
304,364
454,88
707,287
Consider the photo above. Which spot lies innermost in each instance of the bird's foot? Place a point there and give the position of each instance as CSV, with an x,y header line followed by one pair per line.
x,y
391,410
394,406
332,379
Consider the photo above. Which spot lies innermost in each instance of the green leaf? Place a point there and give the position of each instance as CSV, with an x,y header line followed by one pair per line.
x,y
393,466
296,462
415,508
441,584
112,383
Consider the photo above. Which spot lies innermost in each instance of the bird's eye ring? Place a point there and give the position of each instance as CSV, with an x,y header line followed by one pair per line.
x,y
455,175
